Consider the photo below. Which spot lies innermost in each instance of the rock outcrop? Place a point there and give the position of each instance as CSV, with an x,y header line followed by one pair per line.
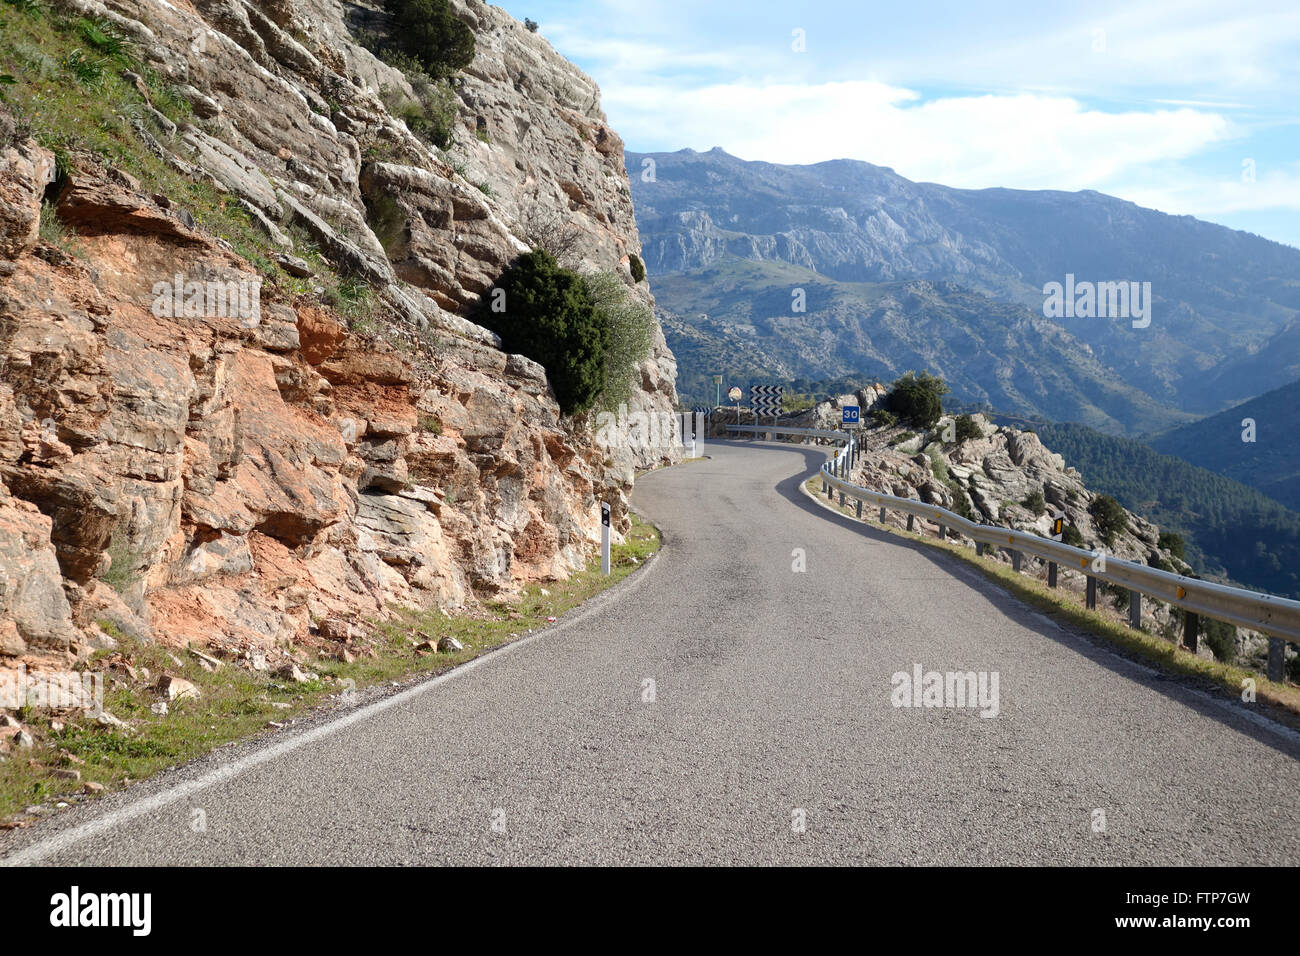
x,y
235,477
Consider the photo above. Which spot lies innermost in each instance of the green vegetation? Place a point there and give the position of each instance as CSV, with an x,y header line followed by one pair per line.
x,y
588,331
637,266
430,423
917,399
1221,638
546,313
796,401
235,703
122,572
430,32
1072,536
1035,502
69,94
434,112
967,428
883,418
1270,464
1110,517
1173,543
630,326
1227,529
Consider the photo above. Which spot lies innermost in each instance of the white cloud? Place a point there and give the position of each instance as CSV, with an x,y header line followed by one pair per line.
x,y
1026,140
1210,197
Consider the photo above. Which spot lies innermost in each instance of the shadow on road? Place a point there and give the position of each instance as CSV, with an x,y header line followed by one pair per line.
x,y
1092,647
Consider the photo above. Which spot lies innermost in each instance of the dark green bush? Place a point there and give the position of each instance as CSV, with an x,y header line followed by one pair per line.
x,y
918,399
638,268
631,336
430,32
547,314
1174,544
530,25
1035,502
1070,535
883,418
966,427
1156,560
1110,518
1222,639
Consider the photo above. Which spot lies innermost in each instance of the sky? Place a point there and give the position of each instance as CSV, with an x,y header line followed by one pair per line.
x,y
1187,107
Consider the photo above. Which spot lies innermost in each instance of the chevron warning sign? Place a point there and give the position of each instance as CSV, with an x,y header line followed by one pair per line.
x,y
766,399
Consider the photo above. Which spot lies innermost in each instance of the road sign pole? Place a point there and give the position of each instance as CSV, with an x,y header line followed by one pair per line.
x,y
604,537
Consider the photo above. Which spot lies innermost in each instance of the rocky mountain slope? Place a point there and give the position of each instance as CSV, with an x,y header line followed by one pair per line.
x,y
257,481
992,353
1226,303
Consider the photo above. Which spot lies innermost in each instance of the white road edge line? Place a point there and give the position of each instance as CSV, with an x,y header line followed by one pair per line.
x,y
41,849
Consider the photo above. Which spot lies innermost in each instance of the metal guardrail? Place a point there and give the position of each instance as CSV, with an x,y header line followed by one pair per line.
x,y
1277,617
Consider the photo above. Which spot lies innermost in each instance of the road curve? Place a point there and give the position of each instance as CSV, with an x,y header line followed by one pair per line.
x,y
770,738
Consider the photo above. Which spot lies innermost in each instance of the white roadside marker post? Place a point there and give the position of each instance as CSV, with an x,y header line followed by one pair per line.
x,y
604,537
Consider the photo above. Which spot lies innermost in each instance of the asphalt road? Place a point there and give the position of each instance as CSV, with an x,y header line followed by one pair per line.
x,y
771,706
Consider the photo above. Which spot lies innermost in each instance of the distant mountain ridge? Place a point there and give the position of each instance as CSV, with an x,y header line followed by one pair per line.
x,y
1227,303
1231,530
995,354
1270,463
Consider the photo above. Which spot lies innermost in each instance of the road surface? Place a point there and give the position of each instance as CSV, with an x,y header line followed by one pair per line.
x,y
767,736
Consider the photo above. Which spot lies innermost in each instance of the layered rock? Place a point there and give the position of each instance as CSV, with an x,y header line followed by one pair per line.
x,y
235,479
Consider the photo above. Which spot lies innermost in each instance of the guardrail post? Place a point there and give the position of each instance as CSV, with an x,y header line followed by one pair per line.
x,y
841,499
1015,561
830,490
882,514
1191,631
1051,574
859,509
1276,658
979,549
943,531
1135,610
1092,593
911,522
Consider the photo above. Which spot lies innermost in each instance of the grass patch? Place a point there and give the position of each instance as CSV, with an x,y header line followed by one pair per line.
x,y
68,93
1059,604
235,703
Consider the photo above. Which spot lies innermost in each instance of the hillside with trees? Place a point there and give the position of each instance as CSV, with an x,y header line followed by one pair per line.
x,y
1230,529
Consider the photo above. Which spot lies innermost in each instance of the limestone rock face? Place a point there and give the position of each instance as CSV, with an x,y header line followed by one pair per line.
x,y
228,479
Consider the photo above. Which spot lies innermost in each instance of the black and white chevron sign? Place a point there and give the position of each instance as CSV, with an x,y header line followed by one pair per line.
x,y
704,410
766,399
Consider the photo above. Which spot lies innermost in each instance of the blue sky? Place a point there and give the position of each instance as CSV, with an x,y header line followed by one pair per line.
x,y
1188,107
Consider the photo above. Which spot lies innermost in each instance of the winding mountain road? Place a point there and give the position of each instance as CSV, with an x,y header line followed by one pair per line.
x,y
771,708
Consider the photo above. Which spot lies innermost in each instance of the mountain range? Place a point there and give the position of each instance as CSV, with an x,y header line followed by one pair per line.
x,y
899,275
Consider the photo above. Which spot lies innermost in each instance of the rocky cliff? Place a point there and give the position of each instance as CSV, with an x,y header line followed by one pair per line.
x,y
333,436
